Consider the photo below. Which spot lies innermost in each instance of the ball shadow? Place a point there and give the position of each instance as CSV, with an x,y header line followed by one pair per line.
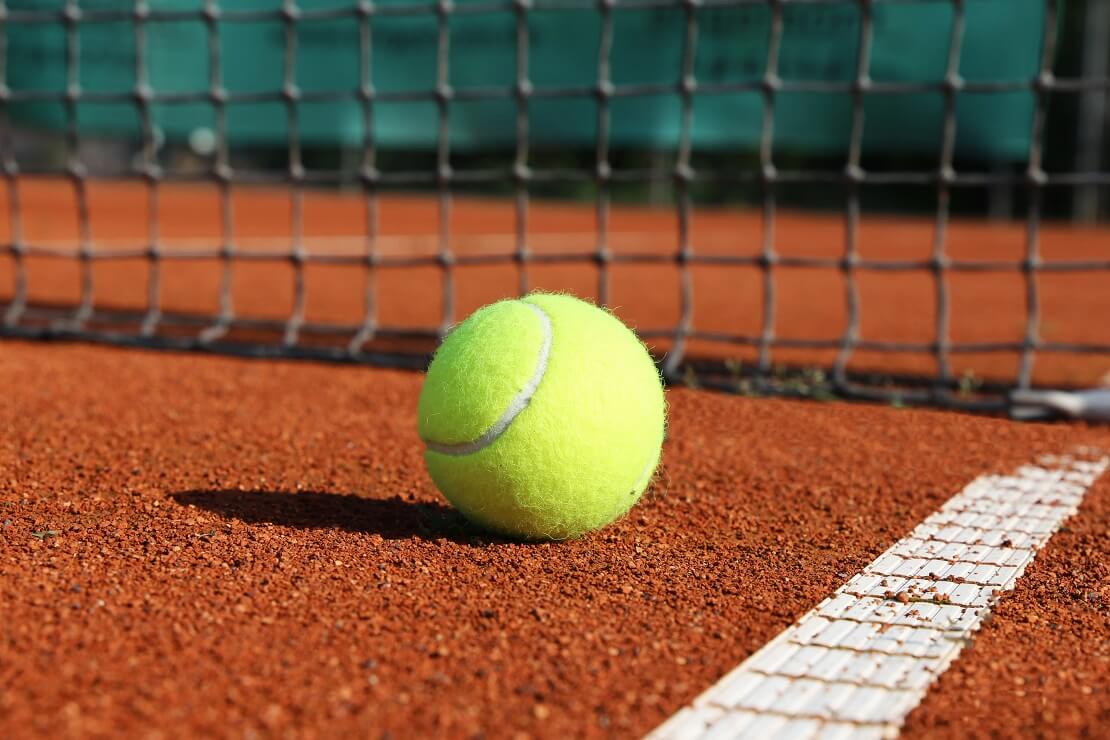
x,y
392,518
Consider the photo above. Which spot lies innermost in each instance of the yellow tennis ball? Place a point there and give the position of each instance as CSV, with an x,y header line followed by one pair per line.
x,y
542,418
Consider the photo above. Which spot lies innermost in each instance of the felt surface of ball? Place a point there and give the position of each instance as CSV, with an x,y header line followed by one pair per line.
x,y
542,418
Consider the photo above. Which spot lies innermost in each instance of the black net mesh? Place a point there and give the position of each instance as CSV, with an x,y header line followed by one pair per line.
x,y
947,109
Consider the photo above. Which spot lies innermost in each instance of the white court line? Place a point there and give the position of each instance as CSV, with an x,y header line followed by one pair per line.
x,y
393,244
318,245
858,663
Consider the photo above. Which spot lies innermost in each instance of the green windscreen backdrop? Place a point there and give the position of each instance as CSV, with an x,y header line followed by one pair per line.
x,y
910,43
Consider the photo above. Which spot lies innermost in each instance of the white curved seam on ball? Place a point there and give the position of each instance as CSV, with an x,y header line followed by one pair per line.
x,y
645,477
519,402
642,481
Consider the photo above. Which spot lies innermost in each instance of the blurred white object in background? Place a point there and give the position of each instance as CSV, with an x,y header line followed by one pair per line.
x,y
1089,405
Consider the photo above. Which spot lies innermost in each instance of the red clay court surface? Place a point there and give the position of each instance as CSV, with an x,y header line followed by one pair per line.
x,y
895,305
195,545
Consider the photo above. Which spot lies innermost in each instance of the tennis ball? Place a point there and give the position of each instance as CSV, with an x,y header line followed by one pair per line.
x,y
542,417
